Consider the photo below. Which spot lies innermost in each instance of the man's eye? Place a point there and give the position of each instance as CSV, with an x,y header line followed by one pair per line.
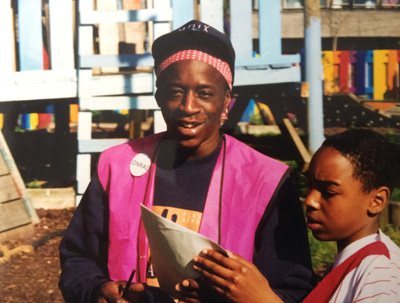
x,y
175,92
204,94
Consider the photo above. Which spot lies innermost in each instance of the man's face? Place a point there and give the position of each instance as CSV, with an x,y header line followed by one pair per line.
x,y
336,206
192,96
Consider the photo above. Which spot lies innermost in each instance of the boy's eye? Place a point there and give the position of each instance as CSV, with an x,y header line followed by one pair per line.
x,y
326,194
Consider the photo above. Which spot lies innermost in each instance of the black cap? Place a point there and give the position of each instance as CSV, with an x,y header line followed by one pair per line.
x,y
195,35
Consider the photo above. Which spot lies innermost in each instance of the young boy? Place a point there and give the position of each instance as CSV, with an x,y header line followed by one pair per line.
x,y
349,182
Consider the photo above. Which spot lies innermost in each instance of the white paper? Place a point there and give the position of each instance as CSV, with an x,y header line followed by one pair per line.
x,y
172,248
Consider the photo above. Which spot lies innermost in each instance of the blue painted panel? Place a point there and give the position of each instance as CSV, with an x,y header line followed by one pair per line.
x,y
241,28
25,121
50,109
249,111
369,88
183,12
361,73
30,35
270,27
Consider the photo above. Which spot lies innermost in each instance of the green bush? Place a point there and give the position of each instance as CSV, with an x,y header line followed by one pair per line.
x,y
322,252
395,196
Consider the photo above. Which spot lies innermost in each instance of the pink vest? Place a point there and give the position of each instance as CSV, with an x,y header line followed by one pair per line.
x,y
250,180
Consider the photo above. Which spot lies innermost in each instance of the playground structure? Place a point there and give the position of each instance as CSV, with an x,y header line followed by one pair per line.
x,y
80,60
65,71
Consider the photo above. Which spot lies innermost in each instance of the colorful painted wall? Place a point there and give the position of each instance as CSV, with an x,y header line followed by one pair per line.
x,y
373,74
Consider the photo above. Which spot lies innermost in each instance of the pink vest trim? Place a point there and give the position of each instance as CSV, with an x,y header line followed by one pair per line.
x,y
250,180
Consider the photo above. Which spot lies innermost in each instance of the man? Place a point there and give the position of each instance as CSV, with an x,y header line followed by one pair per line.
x,y
193,175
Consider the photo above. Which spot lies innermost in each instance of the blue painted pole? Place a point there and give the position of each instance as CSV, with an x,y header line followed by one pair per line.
x,y
30,35
314,73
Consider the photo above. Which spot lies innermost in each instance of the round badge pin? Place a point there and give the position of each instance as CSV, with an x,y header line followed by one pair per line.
x,y
140,164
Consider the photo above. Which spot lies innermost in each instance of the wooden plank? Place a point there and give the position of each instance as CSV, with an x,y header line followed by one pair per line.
x,y
353,71
30,35
42,91
392,71
98,145
83,172
183,12
84,125
108,34
37,77
259,62
3,167
344,71
303,151
159,122
211,12
134,32
380,74
161,27
141,83
7,37
8,191
336,68
116,60
122,16
61,35
123,102
241,28
270,28
17,179
369,74
327,63
12,215
361,73
255,77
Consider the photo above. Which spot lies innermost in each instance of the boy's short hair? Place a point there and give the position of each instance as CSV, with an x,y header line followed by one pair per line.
x,y
375,160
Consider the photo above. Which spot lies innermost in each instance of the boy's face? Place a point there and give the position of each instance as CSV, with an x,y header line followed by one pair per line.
x,y
336,206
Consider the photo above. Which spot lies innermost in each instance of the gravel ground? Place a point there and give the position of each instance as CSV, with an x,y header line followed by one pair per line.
x,y
32,276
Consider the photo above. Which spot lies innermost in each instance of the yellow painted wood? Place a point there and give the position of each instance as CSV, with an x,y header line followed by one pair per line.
x,y
34,120
1,120
73,113
327,63
380,74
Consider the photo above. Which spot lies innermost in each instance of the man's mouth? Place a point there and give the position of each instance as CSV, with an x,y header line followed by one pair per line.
x,y
188,125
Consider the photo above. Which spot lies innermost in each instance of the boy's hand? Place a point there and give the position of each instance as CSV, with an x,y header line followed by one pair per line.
x,y
111,292
233,277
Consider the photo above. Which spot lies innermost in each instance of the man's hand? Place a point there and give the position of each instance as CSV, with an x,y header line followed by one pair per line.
x,y
233,277
111,292
188,291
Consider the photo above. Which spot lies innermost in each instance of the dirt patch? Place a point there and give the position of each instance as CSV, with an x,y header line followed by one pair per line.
x,y
33,276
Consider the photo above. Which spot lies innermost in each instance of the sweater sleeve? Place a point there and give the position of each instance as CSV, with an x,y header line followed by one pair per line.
x,y
83,249
282,250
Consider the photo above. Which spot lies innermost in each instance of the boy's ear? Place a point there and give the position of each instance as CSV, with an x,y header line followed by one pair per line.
x,y
379,200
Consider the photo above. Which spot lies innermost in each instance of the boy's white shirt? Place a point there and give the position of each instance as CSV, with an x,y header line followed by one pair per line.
x,y
377,279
